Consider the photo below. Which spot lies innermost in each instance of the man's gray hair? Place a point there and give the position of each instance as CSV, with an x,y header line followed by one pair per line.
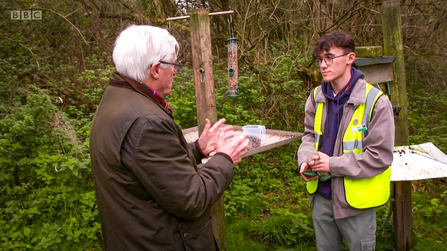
x,y
140,46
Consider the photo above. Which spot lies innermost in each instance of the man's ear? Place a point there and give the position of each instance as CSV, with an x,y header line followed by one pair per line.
x,y
351,58
155,70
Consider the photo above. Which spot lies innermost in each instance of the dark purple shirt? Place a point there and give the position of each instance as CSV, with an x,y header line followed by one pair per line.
x,y
333,119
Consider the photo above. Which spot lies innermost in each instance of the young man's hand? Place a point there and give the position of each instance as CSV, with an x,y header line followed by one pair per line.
x,y
320,163
306,168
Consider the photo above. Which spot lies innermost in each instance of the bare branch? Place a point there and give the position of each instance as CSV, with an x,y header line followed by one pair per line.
x,y
65,18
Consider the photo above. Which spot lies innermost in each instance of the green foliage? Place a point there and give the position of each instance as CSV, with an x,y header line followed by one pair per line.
x,y
50,218
261,194
285,228
280,87
46,192
36,141
238,237
239,110
43,168
426,118
429,209
242,201
182,99
384,234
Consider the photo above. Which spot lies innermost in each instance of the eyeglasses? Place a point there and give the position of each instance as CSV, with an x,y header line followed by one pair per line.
x,y
177,66
329,59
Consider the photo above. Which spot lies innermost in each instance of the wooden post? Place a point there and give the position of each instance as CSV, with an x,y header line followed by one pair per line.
x,y
393,46
206,99
202,62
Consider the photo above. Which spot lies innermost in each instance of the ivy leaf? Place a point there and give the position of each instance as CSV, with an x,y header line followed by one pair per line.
x,y
26,231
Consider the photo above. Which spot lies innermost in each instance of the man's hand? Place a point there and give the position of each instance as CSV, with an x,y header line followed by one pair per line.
x,y
305,167
208,139
215,138
320,163
235,148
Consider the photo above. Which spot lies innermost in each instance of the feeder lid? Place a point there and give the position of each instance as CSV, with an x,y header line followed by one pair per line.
x,y
373,61
232,39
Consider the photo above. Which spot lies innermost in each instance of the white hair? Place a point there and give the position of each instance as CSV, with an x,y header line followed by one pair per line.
x,y
140,46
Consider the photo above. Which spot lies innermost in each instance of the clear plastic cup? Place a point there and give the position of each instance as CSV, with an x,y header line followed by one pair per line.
x,y
255,134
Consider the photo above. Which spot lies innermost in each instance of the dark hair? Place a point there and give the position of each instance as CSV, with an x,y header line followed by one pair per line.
x,y
338,39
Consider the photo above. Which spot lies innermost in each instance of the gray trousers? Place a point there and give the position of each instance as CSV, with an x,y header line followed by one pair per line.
x,y
359,231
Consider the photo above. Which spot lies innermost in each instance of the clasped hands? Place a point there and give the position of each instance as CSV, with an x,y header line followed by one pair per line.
x,y
318,164
213,138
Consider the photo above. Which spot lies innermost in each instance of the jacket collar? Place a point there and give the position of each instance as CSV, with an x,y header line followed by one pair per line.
x,y
120,81
357,96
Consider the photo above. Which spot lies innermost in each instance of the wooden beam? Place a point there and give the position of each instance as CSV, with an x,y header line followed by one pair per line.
x,y
379,73
393,46
202,60
206,99
368,51
402,217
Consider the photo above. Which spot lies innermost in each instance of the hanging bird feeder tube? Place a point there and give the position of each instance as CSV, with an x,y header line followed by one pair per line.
x,y
233,89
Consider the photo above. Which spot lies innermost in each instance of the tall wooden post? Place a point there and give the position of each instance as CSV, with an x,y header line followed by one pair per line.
x,y
206,98
202,62
393,46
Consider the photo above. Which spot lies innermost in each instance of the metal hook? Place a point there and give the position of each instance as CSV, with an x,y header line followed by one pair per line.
x,y
230,29
201,70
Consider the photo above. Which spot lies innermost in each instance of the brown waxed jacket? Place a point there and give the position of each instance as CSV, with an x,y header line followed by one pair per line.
x,y
151,192
378,146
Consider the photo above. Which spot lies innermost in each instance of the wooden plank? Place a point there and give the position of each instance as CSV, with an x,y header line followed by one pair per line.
x,y
379,73
359,62
402,217
282,138
434,152
412,163
273,138
206,99
369,51
202,61
393,46
271,146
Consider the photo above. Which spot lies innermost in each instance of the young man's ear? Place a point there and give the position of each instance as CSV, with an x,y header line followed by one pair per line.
x,y
155,70
351,58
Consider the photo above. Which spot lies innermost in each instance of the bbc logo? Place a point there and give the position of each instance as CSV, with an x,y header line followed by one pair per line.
x,y
26,15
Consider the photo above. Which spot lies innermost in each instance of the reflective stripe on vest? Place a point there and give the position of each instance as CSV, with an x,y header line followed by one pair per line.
x,y
353,139
360,193
313,185
318,118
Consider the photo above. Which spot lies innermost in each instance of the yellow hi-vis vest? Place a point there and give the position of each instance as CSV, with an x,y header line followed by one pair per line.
x,y
360,193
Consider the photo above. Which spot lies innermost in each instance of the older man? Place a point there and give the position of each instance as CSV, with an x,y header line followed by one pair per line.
x,y
152,192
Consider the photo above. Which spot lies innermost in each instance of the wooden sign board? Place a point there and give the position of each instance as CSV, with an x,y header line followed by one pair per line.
x,y
376,70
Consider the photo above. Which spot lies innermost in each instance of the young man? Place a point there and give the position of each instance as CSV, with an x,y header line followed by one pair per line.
x,y
351,126
152,191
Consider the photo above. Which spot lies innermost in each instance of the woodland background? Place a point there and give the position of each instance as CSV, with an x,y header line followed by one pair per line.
x,y
53,73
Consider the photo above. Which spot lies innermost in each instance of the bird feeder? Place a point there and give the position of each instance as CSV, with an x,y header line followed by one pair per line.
x,y
233,88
